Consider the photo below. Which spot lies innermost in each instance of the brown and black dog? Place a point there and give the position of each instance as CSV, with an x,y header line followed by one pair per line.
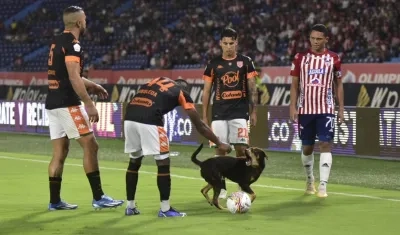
x,y
243,171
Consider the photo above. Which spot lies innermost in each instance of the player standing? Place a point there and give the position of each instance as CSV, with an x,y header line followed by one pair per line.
x,y
314,75
232,76
145,135
68,119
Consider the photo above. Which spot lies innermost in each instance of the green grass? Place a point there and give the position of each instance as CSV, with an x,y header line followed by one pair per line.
x,y
359,202
379,174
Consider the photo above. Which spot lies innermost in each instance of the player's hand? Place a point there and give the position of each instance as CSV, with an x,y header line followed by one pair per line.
x,y
92,112
99,91
253,119
225,147
293,114
341,116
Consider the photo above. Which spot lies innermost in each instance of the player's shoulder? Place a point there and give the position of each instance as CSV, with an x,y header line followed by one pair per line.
x,y
215,60
243,57
301,54
68,38
333,54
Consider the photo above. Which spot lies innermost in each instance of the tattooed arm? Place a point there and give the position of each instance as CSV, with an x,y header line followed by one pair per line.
x,y
252,89
251,82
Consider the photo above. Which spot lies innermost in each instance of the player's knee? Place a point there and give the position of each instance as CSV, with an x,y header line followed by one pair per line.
x,y
63,152
308,142
308,149
59,155
324,146
89,143
163,162
94,145
240,150
163,169
135,164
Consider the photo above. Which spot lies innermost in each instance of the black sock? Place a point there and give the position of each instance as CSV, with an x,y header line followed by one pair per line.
x,y
95,184
164,182
131,179
55,189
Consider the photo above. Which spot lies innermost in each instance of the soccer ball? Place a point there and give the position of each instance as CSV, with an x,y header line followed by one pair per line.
x,y
238,202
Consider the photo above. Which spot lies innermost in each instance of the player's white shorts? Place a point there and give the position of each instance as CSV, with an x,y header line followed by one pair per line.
x,y
231,131
144,139
71,121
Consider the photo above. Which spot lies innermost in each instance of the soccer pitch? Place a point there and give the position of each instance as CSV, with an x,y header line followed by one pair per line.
x,y
363,197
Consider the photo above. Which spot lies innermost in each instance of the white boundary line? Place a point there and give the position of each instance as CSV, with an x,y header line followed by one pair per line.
x,y
196,178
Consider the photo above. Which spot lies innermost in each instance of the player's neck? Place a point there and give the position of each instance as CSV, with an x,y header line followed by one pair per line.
x,y
229,57
74,32
322,51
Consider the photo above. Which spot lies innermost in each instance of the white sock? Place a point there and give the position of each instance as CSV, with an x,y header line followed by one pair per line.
x,y
131,204
165,205
325,164
308,163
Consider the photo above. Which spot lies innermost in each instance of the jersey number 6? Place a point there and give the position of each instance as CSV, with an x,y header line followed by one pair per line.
x,y
50,61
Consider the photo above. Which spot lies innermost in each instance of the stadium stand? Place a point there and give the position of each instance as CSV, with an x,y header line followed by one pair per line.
x,y
179,34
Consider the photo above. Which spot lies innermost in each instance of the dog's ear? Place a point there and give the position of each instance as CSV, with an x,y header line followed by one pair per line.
x,y
260,152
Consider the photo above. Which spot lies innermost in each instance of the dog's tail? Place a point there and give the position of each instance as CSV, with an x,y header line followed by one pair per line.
x,y
194,155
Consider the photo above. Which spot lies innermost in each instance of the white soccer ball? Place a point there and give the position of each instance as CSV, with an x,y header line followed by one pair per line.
x,y
238,202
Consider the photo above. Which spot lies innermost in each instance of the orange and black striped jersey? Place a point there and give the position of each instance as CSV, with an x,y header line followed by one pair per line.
x,y
64,47
155,99
229,78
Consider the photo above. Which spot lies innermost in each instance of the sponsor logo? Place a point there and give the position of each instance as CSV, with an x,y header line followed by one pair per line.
x,y
385,98
329,97
316,71
142,101
315,82
53,84
28,94
230,79
81,126
228,95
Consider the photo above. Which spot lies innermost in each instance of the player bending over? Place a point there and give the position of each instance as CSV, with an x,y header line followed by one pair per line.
x,y
145,135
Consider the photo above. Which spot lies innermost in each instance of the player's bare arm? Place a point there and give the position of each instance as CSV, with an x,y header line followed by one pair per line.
x,y
88,84
340,97
205,131
94,88
294,94
78,84
252,86
206,100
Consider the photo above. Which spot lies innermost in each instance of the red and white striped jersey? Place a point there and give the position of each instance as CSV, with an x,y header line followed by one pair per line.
x,y
316,73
